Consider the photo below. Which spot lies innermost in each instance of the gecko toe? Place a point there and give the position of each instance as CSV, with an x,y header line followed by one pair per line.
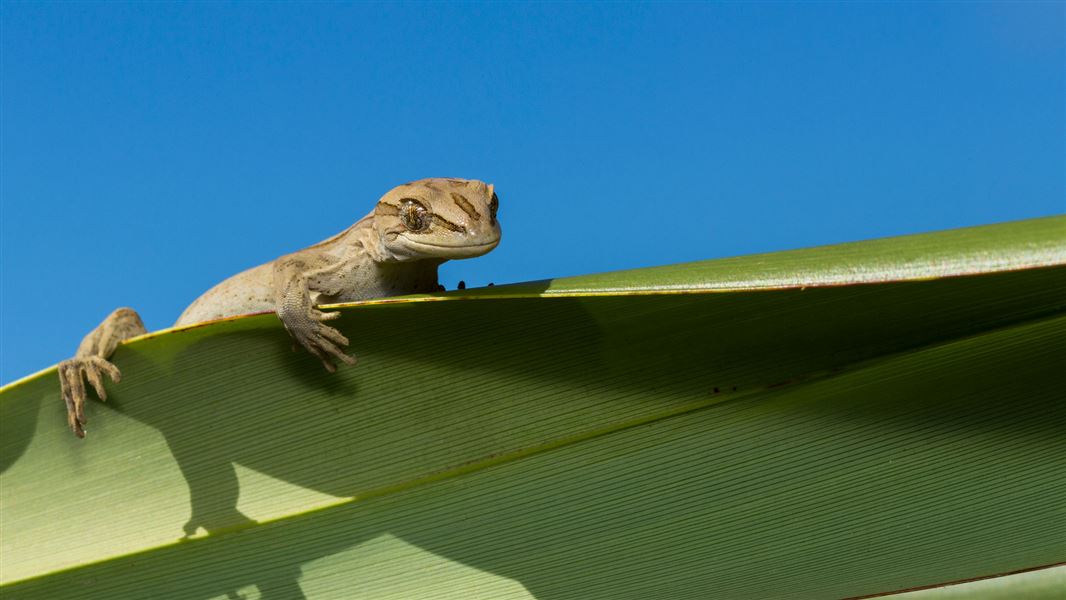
x,y
333,335
76,375
96,379
107,367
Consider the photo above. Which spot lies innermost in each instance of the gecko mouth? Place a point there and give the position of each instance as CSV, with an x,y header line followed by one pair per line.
x,y
451,249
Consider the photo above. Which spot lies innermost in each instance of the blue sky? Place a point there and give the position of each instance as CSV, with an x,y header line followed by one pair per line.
x,y
149,150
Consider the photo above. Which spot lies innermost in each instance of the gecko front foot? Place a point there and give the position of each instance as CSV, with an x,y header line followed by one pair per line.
x,y
72,376
321,340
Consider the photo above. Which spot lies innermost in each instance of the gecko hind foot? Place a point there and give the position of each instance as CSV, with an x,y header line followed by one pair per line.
x,y
72,376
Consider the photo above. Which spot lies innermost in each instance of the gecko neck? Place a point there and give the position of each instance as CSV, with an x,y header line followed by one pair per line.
x,y
362,240
369,270
365,236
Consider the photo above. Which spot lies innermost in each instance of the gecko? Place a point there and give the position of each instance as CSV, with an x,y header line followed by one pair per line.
x,y
394,250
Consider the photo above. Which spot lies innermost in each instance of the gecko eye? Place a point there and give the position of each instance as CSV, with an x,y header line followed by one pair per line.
x,y
414,215
494,205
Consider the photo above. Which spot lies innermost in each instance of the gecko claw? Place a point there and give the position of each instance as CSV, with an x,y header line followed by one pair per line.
x,y
323,342
72,376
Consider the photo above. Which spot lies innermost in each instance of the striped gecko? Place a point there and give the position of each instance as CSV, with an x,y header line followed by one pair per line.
x,y
394,250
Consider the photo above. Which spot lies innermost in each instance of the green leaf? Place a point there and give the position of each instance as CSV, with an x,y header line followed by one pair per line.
x,y
839,421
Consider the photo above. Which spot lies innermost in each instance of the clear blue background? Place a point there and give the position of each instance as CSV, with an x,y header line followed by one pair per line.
x,y
150,150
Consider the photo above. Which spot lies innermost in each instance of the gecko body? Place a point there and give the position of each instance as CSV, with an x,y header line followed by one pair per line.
x,y
394,250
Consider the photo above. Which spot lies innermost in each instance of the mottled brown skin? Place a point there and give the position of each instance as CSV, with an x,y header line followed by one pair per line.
x,y
394,250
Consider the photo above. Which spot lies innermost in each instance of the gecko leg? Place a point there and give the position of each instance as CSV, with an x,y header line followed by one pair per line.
x,y
90,364
294,278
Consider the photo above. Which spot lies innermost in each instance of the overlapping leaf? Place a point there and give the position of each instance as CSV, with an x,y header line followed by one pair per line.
x,y
837,421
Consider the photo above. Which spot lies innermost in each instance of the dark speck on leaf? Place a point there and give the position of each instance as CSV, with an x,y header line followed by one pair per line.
x,y
462,285
716,390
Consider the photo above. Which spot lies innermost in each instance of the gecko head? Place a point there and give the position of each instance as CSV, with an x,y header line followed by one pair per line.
x,y
438,218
